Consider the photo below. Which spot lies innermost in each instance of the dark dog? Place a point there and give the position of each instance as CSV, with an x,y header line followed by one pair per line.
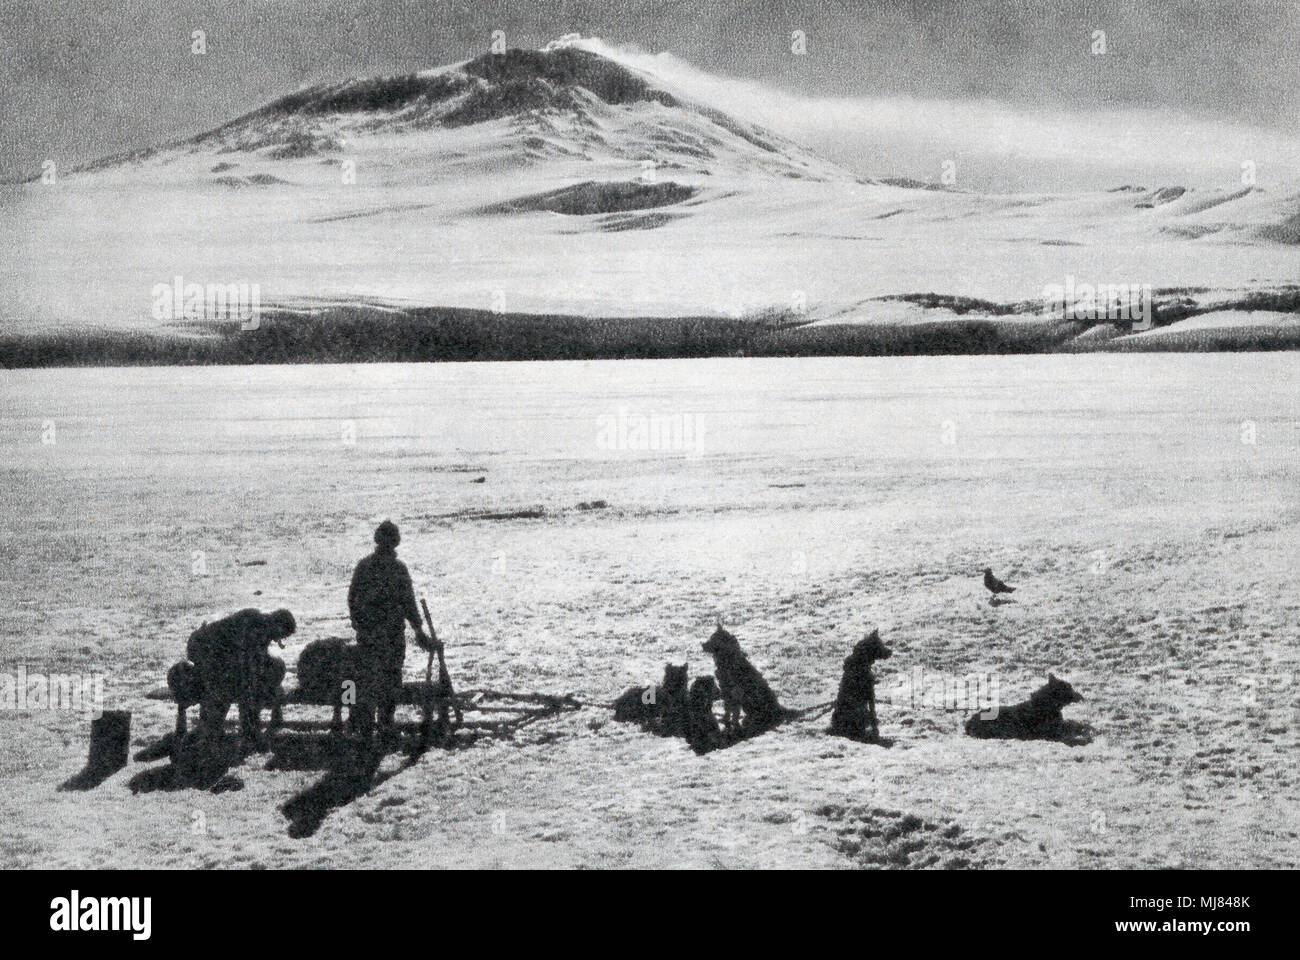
x,y
743,688
186,685
329,674
672,719
855,705
702,731
661,708
1037,718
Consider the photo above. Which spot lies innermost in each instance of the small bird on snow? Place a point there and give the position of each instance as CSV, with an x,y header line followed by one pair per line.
x,y
994,585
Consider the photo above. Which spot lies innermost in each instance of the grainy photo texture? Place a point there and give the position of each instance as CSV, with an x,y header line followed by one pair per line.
x,y
641,434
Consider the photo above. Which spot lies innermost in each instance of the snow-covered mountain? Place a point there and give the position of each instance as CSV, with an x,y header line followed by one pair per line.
x,y
565,180
530,106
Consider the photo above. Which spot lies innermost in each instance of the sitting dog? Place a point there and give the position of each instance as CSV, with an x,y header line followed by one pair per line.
x,y
661,708
743,688
702,731
855,705
186,685
671,721
1037,718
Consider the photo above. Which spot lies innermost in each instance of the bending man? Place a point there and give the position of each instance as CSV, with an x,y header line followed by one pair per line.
x,y
232,665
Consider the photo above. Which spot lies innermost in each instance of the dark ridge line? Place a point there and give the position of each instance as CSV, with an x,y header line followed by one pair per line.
x,y
360,334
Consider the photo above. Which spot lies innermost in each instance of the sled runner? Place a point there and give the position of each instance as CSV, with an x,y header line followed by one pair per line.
x,y
474,714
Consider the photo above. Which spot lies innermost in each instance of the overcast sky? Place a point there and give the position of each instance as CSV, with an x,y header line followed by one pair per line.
x,y
83,78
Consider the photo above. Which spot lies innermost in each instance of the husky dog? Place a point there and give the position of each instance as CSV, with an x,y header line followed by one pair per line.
x,y
661,708
1037,718
743,687
701,725
855,705
324,667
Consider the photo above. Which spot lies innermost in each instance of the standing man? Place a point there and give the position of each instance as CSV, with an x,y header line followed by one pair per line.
x,y
381,601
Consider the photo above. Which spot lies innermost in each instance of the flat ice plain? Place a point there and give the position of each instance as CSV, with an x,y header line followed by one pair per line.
x,y
1145,506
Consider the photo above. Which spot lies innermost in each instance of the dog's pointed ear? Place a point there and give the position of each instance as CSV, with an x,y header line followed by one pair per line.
x,y
874,634
1051,678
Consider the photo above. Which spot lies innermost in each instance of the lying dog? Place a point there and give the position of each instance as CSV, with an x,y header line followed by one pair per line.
x,y
743,688
702,731
660,708
1037,718
855,705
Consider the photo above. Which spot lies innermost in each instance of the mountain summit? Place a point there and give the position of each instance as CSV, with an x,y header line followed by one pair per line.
x,y
563,101
488,87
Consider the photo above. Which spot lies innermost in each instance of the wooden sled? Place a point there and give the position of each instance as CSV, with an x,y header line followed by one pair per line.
x,y
487,713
